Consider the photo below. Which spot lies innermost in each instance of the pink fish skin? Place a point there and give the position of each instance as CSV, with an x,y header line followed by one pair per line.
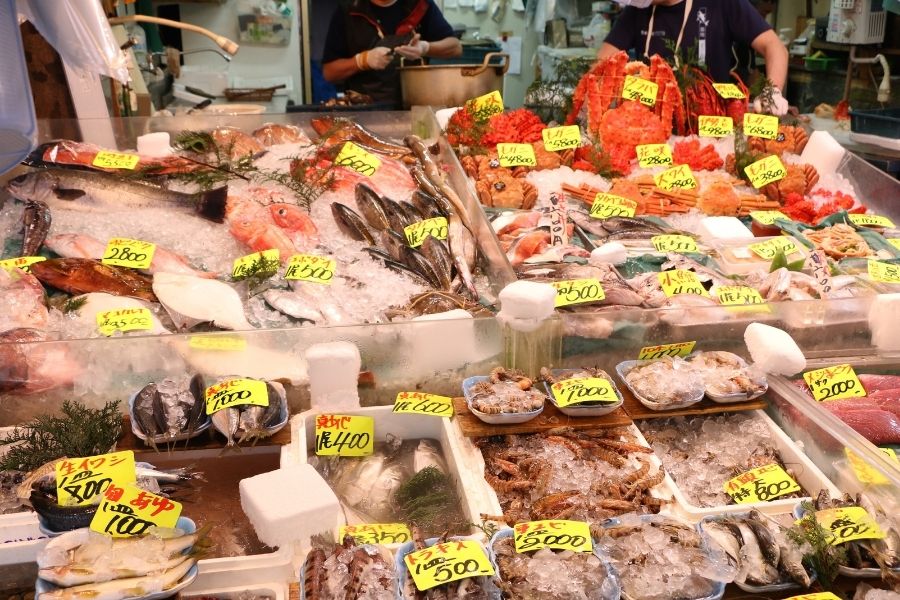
x,y
876,383
297,223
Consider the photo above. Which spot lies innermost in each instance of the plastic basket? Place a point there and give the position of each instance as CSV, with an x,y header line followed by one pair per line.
x,y
473,54
820,64
883,122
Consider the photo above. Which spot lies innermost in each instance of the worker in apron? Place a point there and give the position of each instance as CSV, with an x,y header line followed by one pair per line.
x,y
712,26
366,39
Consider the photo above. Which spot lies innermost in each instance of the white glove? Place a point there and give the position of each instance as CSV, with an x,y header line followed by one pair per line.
x,y
375,59
777,107
415,49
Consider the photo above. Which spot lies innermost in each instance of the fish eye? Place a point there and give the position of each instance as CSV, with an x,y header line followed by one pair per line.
x,y
20,178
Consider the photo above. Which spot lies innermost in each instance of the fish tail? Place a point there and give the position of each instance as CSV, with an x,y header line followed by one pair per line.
x,y
211,204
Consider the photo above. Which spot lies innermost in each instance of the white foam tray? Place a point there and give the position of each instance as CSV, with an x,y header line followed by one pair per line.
x,y
20,538
268,574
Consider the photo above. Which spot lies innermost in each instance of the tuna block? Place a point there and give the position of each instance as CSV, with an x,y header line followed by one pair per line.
x,y
773,350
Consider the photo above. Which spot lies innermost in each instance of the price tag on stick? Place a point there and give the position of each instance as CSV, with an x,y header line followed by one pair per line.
x,y
834,383
124,252
848,524
676,178
344,435
576,391
766,171
607,206
127,510
236,392
450,561
674,243
641,90
516,155
561,138
871,221
559,535
578,291
115,160
417,403
436,227
680,349
884,272
308,267
761,484
23,262
654,155
681,281
376,533
244,265
80,480
124,319
768,217
716,127
354,157
486,106
761,126
729,91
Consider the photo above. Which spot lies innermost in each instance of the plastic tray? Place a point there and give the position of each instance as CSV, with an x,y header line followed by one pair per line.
x,y
736,397
586,409
625,367
500,419
20,538
731,254
269,574
400,565
883,122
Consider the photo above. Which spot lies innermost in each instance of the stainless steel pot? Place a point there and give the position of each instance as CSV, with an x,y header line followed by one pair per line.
x,y
451,85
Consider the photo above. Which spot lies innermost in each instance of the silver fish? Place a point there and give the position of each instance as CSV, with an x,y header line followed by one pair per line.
x,y
36,219
292,304
226,422
356,483
754,568
767,543
460,243
378,502
143,412
433,174
250,422
791,561
120,589
725,538
428,454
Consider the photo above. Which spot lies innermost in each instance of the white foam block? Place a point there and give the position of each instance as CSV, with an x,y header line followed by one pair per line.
x,y
823,152
724,228
883,318
528,300
289,505
333,375
773,350
154,144
613,253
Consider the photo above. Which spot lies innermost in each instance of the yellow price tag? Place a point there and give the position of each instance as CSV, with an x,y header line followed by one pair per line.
x,y
416,233
561,138
344,435
654,155
738,295
834,383
765,171
516,155
559,535
236,392
80,480
768,249
578,291
895,242
116,160
607,206
884,272
676,178
126,510
124,252
761,485
816,596
871,221
124,319
729,91
417,403
217,342
243,265
576,391
484,107
361,161
308,267
376,533
681,349
20,263
674,243
848,524
681,281
864,472
768,217
715,127
450,561
761,126
641,90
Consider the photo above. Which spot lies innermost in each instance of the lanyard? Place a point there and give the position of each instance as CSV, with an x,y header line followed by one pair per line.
x,y
688,5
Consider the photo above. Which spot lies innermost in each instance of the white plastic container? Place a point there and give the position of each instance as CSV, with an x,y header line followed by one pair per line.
x,y
262,574
736,257
20,538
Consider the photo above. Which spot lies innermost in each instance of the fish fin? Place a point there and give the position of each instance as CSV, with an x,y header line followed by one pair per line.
x,y
68,194
211,204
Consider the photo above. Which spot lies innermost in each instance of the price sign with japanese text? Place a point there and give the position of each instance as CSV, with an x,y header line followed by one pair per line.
x,y
761,126
729,91
738,295
228,343
768,249
124,319
578,291
23,262
871,221
654,155
126,510
834,383
116,160
681,349
640,89
681,281
576,391
816,596
817,262
376,533
765,171
761,485
516,155
559,535
561,138
486,106
676,178
884,272
768,217
80,480
607,206
246,265
354,157
450,561
123,252
866,473
716,127
418,403
674,243
848,524
416,233
309,267
344,435
236,392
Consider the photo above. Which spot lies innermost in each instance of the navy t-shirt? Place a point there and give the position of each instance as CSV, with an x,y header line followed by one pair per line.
x,y
714,25
432,28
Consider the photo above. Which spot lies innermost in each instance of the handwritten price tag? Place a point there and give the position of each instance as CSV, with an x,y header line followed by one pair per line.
x,y
761,485
450,561
715,127
761,126
848,524
516,155
217,342
484,107
681,349
895,242
576,391
243,265
738,295
641,90
866,473
578,291
816,596
116,160
344,435
674,243
80,480
729,91
676,178
681,281
20,263
123,252
834,383
559,535
765,171
376,533
417,232
768,217
561,138
871,221
308,267
354,157
884,272
235,392
124,319
127,511
654,155
417,403
768,249
607,206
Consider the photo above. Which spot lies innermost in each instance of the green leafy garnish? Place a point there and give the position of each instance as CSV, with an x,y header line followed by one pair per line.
x,y
822,557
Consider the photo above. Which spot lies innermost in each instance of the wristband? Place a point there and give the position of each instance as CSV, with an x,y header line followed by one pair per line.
x,y
362,62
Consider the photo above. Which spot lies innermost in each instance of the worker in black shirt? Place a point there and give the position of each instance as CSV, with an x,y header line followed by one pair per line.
x,y
746,66
647,26
366,36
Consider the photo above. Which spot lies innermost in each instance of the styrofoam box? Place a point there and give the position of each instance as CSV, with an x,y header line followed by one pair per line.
x,y
20,538
463,460
807,473
263,574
